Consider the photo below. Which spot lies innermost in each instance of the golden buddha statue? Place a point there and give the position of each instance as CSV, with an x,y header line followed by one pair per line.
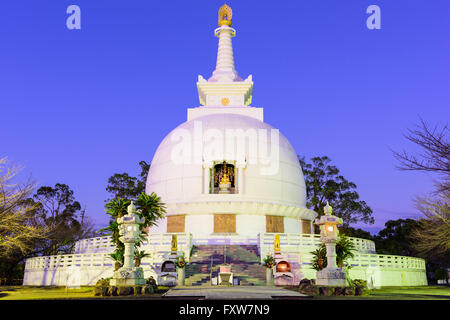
x,y
174,243
276,243
225,179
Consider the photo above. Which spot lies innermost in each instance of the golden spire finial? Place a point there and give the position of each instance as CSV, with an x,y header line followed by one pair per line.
x,y
225,15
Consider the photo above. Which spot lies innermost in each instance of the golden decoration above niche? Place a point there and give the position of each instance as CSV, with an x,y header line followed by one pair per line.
x,y
225,101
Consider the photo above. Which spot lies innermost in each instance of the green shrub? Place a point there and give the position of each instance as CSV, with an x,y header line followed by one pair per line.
x,y
359,283
103,282
440,274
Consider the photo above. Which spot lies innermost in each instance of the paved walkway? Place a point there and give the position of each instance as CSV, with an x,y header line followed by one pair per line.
x,y
232,293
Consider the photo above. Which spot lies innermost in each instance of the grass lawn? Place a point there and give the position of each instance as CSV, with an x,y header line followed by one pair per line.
x,y
36,293
387,293
399,293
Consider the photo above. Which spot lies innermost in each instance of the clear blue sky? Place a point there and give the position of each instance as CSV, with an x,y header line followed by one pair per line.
x,y
80,105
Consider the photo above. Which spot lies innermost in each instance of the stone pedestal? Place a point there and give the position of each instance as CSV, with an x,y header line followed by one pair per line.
x,y
269,277
128,277
331,277
168,279
180,276
224,188
225,276
283,279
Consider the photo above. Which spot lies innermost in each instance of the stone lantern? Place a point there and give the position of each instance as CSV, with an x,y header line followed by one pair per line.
x,y
129,232
331,275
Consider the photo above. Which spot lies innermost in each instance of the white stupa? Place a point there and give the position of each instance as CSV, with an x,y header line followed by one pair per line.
x,y
235,193
267,188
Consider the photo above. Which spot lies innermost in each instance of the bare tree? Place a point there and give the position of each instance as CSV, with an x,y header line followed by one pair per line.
x,y
435,152
19,226
433,235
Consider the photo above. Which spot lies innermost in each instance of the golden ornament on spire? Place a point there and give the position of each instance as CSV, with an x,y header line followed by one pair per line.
x,y
225,14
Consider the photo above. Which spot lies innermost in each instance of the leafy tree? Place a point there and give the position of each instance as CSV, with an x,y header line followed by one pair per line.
x,y
127,187
396,238
48,222
63,216
355,233
324,183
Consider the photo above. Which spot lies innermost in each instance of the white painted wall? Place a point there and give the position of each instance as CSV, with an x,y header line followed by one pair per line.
x,y
292,225
161,227
250,225
200,225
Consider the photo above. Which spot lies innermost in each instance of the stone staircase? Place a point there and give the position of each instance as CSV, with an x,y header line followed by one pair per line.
x,y
244,261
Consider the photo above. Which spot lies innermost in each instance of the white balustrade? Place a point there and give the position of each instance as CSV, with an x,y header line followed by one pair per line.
x,y
94,253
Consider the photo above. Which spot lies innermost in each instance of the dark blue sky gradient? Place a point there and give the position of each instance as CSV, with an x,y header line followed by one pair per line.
x,y
79,106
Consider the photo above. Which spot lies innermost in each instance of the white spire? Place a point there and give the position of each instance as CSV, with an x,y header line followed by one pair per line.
x,y
225,88
225,71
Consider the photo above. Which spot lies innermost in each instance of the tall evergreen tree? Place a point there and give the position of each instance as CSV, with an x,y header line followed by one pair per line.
x,y
324,183
124,186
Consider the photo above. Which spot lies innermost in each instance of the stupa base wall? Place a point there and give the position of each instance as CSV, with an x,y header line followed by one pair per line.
x,y
91,261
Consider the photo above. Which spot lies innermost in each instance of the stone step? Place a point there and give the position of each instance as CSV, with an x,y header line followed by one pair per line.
x,y
243,259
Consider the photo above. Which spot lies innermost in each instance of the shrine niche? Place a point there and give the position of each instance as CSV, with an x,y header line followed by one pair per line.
x,y
224,223
175,223
275,224
168,266
224,178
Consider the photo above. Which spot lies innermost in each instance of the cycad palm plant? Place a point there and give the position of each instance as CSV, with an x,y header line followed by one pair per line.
x,y
117,256
319,258
150,207
138,256
117,208
344,251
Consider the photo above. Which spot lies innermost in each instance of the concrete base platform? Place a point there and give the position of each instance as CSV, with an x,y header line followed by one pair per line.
x,y
233,293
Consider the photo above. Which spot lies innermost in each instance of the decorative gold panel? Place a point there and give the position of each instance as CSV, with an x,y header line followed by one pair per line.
x,y
175,223
306,226
275,224
224,223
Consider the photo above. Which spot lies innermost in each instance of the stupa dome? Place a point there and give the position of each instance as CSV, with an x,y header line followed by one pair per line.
x,y
182,182
270,184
